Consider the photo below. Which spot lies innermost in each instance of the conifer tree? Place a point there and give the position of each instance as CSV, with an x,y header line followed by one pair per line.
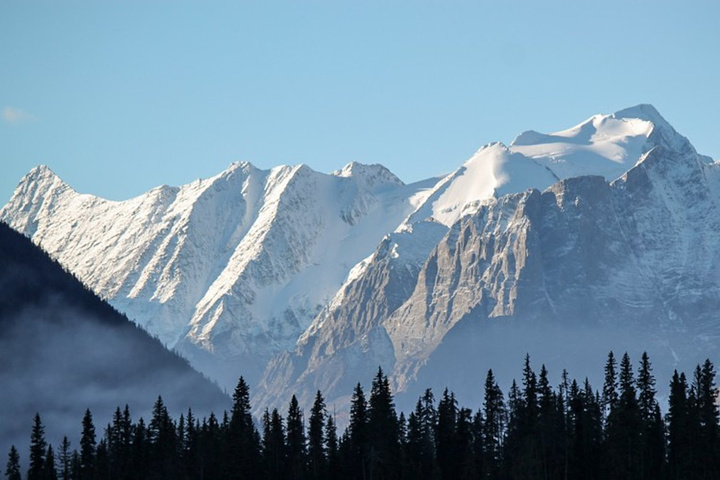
x,y
652,449
623,430
296,441
88,444
211,463
243,441
12,468
317,461
610,387
383,444
163,443
523,449
403,445
102,461
190,447
75,466
422,426
64,459
550,427
119,440
680,455
331,445
706,410
140,450
274,448
357,441
493,428
38,450
449,451
50,473
465,443
478,446
584,424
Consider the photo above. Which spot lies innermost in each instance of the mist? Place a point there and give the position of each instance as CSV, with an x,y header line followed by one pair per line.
x,y
63,350
472,347
59,361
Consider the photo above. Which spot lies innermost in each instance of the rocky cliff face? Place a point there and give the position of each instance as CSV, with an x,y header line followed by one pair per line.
x,y
598,263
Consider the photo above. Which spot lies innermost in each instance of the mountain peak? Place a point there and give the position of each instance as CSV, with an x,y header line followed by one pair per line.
x,y
41,172
243,165
372,175
40,179
643,111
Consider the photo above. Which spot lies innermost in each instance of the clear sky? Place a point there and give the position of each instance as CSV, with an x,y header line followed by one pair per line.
x,y
119,97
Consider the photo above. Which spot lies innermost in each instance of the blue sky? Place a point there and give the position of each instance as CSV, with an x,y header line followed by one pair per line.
x,y
119,97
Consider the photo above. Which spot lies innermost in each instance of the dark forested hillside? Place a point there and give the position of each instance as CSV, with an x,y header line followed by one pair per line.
x,y
63,350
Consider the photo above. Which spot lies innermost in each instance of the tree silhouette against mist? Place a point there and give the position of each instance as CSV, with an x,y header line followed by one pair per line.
x,y
536,432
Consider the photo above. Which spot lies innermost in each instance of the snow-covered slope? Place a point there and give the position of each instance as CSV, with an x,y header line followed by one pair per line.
x,y
390,311
228,270
606,145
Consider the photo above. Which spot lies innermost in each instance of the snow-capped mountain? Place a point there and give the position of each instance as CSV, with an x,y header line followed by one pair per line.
x,y
332,275
463,256
228,270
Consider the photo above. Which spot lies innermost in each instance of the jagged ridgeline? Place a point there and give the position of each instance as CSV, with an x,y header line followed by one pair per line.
x,y
62,350
533,431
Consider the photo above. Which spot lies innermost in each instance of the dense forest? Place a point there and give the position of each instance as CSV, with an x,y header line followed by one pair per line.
x,y
537,431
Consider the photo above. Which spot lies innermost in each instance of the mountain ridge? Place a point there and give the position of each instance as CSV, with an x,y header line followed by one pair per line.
x,y
239,268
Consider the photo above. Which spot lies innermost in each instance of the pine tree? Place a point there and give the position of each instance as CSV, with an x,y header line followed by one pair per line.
x,y
317,461
50,473
243,441
211,446
331,446
448,450
584,425
12,468
87,447
75,466
493,429
64,459
652,449
550,427
296,442
707,415
190,448
681,454
38,450
383,445
422,426
623,443
465,444
478,446
610,387
403,445
274,447
523,449
163,443
102,460
357,444
119,438
140,451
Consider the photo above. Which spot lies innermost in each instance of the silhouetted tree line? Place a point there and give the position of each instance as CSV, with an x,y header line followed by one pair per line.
x,y
536,432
